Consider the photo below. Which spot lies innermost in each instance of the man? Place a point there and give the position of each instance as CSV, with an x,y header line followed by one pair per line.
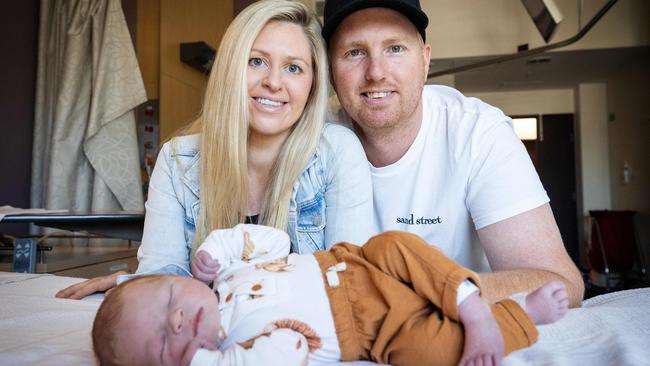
x,y
446,167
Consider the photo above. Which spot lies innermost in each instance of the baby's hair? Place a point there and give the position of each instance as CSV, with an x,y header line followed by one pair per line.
x,y
107,319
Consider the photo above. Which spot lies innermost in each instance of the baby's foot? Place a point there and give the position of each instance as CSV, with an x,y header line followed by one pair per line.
x,y
548,303
483,341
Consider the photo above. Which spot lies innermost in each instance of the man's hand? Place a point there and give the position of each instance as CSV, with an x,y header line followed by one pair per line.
x,y
204,268
88,287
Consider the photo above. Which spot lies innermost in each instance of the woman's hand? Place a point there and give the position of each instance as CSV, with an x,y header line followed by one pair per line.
x,y
204,268
88,287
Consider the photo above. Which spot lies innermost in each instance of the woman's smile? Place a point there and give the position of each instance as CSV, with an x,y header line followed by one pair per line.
x,y
270,104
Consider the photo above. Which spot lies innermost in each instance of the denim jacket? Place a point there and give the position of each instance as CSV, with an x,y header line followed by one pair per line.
x,y
331,200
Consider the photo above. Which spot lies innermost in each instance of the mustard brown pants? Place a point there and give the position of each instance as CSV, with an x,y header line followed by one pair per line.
x,y
396,303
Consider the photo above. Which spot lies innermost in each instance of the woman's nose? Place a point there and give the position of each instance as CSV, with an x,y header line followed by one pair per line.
x,y
273,80
175,320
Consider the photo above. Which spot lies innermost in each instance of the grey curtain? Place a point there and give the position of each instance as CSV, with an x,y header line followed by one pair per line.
x,y
85,154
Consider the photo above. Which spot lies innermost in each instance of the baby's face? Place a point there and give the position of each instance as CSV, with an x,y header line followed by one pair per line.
x,y
165,319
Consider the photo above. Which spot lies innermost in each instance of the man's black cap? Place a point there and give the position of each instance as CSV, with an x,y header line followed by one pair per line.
x,y
337,10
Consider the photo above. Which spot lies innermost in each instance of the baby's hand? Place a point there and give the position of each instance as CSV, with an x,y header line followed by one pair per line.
x,y
204,268
191,349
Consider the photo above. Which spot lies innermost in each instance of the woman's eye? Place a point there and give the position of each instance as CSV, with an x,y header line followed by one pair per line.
x,y
294,69
256,62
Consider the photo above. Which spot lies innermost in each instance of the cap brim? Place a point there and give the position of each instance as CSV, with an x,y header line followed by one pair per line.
x,y
417,17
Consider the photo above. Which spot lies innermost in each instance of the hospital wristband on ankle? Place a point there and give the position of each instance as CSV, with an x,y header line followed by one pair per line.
x,y
465,289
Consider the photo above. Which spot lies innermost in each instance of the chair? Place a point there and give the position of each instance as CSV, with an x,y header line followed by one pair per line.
x,y
614,248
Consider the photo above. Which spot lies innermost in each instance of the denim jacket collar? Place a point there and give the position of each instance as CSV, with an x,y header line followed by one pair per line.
x,y
191,177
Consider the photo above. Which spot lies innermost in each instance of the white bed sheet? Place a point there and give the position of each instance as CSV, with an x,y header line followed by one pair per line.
x,y
38,329
611,329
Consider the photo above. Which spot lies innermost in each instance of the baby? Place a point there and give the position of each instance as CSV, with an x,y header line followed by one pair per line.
x,y
394,300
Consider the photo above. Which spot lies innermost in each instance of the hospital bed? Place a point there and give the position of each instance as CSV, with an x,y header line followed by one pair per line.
x,y
38,329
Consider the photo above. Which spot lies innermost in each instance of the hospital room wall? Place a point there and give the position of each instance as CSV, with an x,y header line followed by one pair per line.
x,y
466,28
18,45
628,105
163,25
613,127
182,87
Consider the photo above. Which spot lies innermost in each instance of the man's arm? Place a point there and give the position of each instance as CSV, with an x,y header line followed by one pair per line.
x,y
526,251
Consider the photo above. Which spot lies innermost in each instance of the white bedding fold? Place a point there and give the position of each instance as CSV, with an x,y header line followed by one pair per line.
x,y
38,329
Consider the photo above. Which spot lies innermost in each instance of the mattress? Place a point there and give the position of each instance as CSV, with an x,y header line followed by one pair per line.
x,y
38,329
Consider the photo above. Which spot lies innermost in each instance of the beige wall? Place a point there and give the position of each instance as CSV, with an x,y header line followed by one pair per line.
x,y
447,80
148,45
182,87
552,101
594,147
625,25
162,26
593,187
463,28
629,140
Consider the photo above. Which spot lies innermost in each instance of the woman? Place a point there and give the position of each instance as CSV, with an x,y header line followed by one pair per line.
x,y
259,152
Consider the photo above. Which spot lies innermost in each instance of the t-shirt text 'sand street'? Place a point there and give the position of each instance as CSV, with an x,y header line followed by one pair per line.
x,y
419,221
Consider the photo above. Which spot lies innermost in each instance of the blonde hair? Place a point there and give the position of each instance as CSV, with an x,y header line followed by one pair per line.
x,y
223,123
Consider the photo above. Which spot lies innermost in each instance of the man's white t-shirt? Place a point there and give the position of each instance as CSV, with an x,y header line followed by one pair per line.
x,y
465,170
